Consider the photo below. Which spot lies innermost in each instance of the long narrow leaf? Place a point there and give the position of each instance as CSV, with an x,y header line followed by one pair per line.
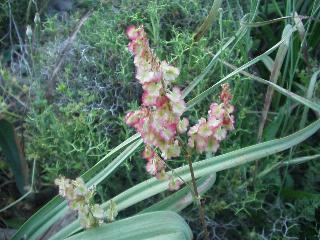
x,y
309,95
291,95
13,155
275,73
209,20
156,225
182,198
205,93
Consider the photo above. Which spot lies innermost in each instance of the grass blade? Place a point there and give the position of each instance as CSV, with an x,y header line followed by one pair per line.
x,y
285,92
154,225
13,153
275,73
182,198
205,93
208,68
209,20
309,95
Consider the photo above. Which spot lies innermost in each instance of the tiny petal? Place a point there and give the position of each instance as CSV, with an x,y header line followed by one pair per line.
x,y
212,145
151,167
220,133
204,130
170,73
183,125
97,211
132,32
152,88
148,153
174,185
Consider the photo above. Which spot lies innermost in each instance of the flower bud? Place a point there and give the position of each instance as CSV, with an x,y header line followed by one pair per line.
x,y
29,32
37,19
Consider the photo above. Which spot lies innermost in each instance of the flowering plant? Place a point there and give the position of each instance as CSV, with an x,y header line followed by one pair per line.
x,y
159,119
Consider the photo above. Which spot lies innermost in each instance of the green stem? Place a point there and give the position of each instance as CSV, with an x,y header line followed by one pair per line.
x,y
198,199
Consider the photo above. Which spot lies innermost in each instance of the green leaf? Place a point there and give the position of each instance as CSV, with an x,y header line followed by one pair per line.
x,y
309,95
209,20
275,73
291,194
205,93
13,153
209,67
184,197
155,225
314,106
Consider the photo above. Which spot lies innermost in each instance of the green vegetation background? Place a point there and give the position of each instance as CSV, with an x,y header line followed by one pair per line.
x,y
69,130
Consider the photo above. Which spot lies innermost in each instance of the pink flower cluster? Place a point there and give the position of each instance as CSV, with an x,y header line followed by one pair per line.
x,y
159,118
207,134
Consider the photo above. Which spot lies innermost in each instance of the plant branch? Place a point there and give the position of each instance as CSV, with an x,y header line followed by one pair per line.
x,y
198,199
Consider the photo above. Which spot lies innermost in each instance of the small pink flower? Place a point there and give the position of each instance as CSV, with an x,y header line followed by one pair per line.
x,y
183,125
132,32
148,153
170,73
204,130
151,168
174,185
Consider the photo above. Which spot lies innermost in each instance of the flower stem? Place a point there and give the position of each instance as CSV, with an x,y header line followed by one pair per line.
x,y
198,199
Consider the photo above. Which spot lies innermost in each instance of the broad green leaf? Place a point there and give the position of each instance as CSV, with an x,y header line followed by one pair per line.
x,y
13,155
155,225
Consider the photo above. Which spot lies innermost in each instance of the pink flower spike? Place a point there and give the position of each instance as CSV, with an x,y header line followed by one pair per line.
x,y
132,32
